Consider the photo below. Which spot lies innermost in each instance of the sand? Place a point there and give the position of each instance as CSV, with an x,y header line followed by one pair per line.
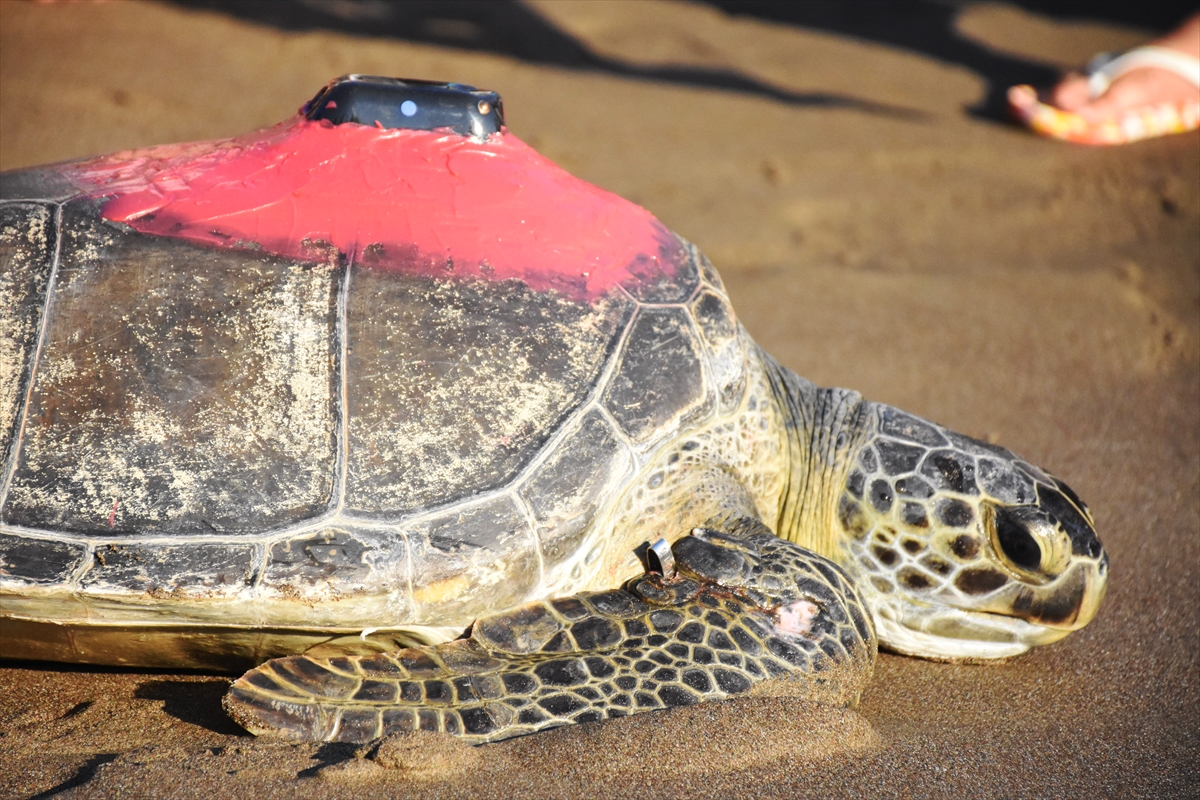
x,y
879,228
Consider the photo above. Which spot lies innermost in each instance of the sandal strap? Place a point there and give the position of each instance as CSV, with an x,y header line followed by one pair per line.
x,y
1101,75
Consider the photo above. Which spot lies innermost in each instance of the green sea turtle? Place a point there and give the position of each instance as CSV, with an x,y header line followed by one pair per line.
x,y
384,395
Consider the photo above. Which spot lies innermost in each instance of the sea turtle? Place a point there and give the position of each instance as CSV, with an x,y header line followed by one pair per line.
x,y
345,390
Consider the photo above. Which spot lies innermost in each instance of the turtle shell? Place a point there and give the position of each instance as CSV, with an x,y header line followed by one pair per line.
x,y
332,376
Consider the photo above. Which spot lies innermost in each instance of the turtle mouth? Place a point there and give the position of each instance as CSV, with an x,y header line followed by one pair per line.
x,y
952,634
1001,617
1065,604
1004,624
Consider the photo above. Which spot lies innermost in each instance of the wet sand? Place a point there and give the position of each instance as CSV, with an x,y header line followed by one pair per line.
x,y
873,234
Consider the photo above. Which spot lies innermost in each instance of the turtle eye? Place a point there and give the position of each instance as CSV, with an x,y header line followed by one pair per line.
x,y
1015,540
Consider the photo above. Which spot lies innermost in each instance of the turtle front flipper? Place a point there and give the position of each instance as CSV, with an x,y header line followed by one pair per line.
x,y
747,612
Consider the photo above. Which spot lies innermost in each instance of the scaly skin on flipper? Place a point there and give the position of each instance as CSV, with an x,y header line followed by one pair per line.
x,y
747,612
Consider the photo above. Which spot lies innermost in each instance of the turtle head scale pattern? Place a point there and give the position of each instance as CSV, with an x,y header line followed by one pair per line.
x,y
963,550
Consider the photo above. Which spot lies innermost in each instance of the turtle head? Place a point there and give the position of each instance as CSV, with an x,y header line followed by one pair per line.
x,y
963,550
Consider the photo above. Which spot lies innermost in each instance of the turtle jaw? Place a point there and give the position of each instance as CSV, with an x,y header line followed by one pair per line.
x,y
1006,624
957,636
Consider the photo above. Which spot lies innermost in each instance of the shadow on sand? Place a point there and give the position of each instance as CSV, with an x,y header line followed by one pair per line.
x,y
511,28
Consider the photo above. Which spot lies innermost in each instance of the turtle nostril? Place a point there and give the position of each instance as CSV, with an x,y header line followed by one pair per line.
x,y
1017,542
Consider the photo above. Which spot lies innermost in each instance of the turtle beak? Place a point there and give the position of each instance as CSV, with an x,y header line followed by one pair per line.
x,y
1066,604
1062,591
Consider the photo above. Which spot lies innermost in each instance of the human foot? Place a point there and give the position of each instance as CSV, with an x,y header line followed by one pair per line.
x,y
1150,91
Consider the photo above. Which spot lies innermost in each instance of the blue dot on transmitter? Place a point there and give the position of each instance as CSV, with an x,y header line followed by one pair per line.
x,y
408,108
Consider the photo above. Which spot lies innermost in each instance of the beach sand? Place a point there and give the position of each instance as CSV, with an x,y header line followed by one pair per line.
x,y
878,227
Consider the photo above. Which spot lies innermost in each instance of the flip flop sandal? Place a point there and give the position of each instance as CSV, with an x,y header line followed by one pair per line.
x,y
1158,119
